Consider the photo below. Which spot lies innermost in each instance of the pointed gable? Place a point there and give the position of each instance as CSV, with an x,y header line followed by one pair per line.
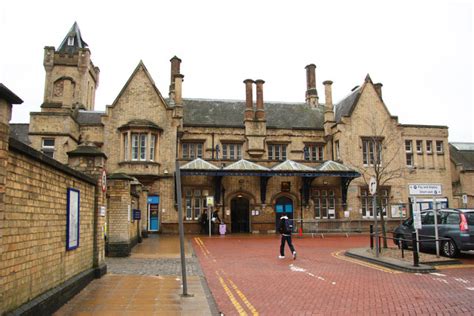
x,y
140,68
333,166
198,164
290,165
346,106
73,41
245,165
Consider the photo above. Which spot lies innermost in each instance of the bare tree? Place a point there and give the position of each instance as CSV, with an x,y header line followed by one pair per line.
x,y
382,148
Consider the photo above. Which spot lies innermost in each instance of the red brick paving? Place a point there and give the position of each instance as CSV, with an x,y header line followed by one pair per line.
x,y
317,283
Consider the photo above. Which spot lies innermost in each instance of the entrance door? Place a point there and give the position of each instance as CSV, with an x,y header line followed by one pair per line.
x,y
283,205
153,212
239,208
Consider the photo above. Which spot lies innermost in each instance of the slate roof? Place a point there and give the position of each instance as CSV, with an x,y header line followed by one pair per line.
x,y
230,113
463,153
78,41
20,132
8,95
344,107
89,117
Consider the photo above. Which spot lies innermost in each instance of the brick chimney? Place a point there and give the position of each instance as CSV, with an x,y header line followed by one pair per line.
x,y
328,108
378,88
260,111
178,88
311,92
249,113
175,70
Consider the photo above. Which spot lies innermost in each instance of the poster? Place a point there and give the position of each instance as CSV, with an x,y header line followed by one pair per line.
x,y
72,225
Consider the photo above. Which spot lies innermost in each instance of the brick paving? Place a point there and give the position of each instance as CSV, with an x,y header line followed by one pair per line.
x,y
245,275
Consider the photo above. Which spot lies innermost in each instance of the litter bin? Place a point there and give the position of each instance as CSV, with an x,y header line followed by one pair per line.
x,y
222,229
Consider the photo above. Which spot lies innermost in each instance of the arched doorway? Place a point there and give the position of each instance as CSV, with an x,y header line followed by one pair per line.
x,y
239,210
283,205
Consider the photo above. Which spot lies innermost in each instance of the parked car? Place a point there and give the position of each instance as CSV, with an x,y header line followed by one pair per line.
x,y
455,227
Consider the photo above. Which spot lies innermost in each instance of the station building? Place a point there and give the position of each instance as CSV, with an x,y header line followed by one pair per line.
x,y
257,159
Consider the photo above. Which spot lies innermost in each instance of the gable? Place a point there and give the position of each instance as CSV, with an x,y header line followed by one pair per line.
x,y
140,90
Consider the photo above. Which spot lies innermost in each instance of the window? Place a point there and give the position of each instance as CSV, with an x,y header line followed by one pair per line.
x,y
313,152
409,153
371,151
277,152
47,147
439,147
367,200
152,147
338,153
419,146
324,203
70,41
232,151
429,146
195,203
141,145
191,150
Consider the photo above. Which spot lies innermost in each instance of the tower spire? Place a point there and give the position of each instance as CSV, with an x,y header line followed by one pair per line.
x,y
73,41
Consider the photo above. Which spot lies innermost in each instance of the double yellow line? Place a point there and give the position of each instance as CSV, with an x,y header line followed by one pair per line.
x,y
203,247
337,254
240,309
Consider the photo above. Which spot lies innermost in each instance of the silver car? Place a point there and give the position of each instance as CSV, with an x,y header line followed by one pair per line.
x,y
455,228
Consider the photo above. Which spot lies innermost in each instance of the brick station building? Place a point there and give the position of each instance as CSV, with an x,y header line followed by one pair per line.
x,y
258,159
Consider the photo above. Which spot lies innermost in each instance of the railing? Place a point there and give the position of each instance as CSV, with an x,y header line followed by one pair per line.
x,y
414,243
323,226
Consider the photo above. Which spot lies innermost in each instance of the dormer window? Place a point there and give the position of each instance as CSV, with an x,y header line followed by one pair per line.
x,y
70,41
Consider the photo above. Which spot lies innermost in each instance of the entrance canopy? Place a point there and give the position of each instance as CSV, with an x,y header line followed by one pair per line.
x,y
287,168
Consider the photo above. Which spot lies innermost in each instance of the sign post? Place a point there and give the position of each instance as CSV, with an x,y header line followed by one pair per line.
x,y
435,211
373,192
464,200
416,221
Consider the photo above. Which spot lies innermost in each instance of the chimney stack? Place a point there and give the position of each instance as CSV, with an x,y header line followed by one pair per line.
x,y
260,111
378,88
249,113
178,87
311,92
175,65
328,94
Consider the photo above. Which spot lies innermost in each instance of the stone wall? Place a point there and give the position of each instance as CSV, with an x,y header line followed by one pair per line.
x,y
34,258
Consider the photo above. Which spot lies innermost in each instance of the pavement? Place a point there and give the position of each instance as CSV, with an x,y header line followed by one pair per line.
x,y
242,275
149,282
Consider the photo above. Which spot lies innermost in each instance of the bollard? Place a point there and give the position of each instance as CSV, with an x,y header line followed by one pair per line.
x,y
371,237
415,250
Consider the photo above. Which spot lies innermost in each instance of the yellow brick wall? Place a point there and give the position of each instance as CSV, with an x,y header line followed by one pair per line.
x,y
34,257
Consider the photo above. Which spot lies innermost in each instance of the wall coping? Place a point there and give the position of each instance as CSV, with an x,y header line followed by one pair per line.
x,y
18,146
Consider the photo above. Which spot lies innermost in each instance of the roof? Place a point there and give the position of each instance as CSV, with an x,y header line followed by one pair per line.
x,y
8,95
462,154
230,113
244,165
20,132
333,166
248,168
84,150
140,123
78,43
290,165
344,107
89,117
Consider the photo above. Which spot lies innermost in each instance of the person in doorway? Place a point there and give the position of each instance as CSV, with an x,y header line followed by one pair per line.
x,y
285,228
215,222
204,221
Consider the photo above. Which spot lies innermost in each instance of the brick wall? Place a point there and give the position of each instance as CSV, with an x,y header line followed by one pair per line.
x,y
34,258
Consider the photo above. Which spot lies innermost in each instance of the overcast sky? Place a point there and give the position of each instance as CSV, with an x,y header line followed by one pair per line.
x,y
420,50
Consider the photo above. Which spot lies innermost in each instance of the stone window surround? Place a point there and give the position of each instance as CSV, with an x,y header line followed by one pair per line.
x,y
126,145
313,151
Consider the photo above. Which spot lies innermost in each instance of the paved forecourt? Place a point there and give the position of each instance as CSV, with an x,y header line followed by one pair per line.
x,y
246,276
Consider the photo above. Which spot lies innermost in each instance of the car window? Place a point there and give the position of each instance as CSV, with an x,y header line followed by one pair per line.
x,y
428,219
452,218
470,218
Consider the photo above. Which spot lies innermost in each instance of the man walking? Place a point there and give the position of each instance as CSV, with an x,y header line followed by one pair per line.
x,y
285,231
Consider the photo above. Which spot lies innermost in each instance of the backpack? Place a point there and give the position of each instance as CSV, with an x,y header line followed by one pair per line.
x,y
284,226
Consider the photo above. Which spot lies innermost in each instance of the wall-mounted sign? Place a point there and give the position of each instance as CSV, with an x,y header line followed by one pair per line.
x,y
102,211
285,186
424,189
210,201
104,180
137,214
72,225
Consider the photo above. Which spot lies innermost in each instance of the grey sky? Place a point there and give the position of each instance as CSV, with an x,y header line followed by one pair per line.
x,y
420,50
